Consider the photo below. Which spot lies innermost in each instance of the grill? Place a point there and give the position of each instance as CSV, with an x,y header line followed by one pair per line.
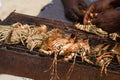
x,y
18,60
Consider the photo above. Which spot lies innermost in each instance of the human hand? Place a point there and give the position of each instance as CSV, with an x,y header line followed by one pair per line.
x,y
108,20
74,9
97,7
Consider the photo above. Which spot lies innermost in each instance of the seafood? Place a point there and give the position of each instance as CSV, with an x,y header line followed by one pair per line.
x,y
56,42
116,51
74,49
81,47
52,36
15,33
92,29
37,36
35,41
98,31
68,48
19,33
5,32
114,36
51,45
106,54
104,60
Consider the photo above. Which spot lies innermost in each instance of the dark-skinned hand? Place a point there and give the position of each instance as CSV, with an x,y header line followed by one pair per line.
x,y
108,20
74,9
98,7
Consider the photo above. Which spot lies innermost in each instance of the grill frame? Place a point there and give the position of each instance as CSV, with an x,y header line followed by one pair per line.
x,y
33,66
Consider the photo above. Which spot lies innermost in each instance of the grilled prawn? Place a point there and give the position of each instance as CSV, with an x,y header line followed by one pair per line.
x,y
106,54
37,36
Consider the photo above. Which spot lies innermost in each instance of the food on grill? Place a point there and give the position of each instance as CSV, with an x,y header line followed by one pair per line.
x,y
4,32
56,42
91,28
98,31
49,43
36,37
114,36
104,54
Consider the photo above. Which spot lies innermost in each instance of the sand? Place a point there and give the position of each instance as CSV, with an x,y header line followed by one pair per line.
x,y
29,7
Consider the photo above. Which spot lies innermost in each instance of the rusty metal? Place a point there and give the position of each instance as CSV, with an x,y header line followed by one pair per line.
x,y
17,60
26,65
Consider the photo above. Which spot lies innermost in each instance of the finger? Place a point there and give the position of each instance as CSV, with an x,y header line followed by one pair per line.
x,y
94,21
71,15
82,10
80,14
85,6
82,5
87,14
77,11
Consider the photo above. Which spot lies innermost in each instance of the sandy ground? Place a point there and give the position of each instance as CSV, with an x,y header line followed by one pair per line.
x,y
11,77
29,7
